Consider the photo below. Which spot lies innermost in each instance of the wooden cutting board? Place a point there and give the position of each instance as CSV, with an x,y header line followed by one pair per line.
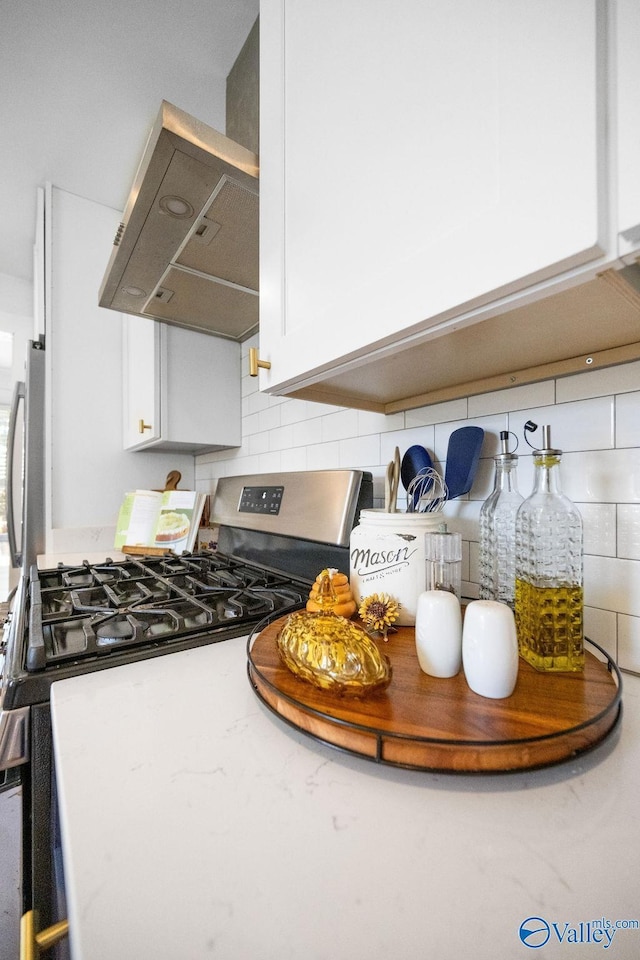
x,y
435,724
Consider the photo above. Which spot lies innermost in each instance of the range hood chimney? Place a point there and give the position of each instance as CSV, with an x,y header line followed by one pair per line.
x,y
186,251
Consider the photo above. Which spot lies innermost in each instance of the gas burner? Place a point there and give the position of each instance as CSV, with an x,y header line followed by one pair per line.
x,y
137,612
76,618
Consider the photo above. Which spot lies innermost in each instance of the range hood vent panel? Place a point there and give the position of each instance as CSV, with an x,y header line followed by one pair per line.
x,y
193,205
229,245
193,300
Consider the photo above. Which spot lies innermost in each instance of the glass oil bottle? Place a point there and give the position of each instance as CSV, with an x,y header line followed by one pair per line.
x,y
549,596
498,529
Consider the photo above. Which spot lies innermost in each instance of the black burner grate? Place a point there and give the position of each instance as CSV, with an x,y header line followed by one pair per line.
x,y
95,610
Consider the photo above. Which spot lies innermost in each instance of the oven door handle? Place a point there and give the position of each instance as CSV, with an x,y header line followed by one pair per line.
x,y
33,942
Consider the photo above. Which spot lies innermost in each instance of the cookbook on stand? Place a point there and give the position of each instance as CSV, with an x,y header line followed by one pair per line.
x,y
152,521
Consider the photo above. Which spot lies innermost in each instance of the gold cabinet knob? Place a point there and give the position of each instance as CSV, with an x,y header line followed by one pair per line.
x,y
33,942
255,362
142,426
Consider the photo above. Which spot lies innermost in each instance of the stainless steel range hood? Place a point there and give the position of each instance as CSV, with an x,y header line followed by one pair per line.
x,y
187,249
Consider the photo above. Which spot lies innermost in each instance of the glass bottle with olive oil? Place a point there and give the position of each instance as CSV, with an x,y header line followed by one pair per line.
x,y
549,598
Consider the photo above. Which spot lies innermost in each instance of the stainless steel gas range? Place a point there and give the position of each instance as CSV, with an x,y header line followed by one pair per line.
x,y
276,532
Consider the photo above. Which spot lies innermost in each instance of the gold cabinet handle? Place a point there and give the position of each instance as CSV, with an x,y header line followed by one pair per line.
x,y
142,426
254,362
32,942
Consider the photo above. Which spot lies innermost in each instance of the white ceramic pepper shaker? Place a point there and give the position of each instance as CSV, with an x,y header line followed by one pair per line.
x,y
439,633
490,648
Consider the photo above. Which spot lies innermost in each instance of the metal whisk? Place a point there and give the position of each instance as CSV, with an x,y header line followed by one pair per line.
x,y
427,492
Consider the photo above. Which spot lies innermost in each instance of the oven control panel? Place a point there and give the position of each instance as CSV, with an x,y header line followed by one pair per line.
x,y
261,500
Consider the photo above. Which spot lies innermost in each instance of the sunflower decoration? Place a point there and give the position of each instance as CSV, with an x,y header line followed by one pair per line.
x,y
379,612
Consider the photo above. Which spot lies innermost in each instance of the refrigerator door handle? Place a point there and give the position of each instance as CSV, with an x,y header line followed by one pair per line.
x,y
19,394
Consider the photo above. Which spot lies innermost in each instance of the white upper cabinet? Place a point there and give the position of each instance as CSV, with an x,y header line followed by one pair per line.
x,y
181,388
420,160
626,56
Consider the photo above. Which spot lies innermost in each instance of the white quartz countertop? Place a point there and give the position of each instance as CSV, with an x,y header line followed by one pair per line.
x,y
196,824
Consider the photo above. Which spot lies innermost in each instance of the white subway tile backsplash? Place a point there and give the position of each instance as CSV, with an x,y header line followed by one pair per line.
x,y
294,411
321,409
270,462
324,456
605,476
629,643
469,590
294,459
598,383
437,413
248,385
269,418
628,419
629,530
339,426
306,433
358,450
258,443
516,398
241,465
526,471
214,457
612,584
600,626
256,402
484,479
583,425
369,422
250,424
594,419
281,438
403,439
599,528
378,475
461,516
277,401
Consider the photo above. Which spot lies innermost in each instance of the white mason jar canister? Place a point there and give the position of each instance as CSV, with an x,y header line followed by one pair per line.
x,y
439,633
387,555
490,648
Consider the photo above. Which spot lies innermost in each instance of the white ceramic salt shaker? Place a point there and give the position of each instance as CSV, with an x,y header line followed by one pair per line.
x,y
490,649
439,633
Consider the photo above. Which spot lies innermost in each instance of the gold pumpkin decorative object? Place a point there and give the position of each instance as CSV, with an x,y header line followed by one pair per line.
x,y
329,651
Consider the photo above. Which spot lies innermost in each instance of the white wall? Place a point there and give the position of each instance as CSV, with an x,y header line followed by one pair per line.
x,y
16,318
89,470
594,418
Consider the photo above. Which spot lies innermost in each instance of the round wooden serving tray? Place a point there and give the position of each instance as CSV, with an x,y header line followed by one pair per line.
x,y
427,723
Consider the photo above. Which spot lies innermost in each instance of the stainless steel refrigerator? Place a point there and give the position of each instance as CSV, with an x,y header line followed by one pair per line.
x,y
25,463
26,536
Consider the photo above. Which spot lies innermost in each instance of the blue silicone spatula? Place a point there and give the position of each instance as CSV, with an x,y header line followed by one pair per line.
x,y
463,455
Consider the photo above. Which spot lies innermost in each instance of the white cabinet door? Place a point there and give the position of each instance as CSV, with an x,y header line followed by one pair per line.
x,y
627,87
182,388
418,159
141,407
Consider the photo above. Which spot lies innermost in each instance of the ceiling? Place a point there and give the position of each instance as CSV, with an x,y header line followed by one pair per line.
x,y
82,83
